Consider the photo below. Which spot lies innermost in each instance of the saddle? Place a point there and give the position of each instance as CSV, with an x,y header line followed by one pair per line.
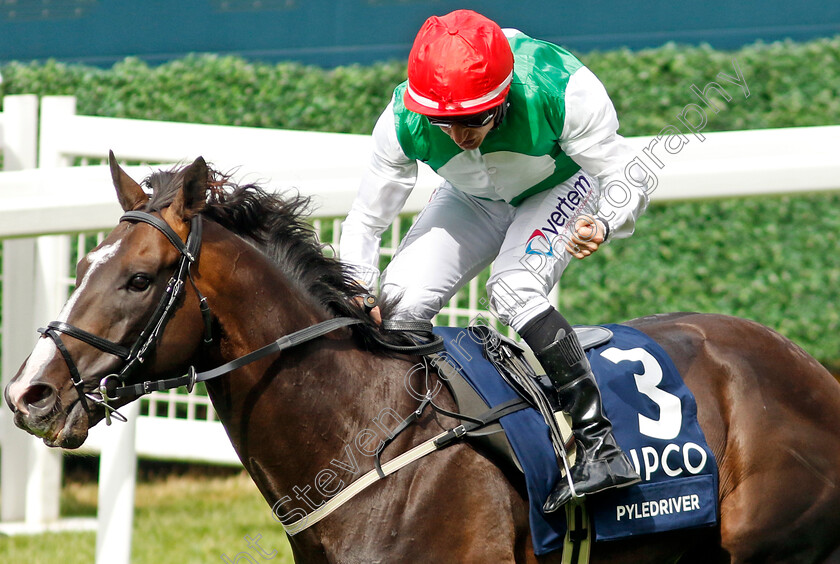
x,y
514,363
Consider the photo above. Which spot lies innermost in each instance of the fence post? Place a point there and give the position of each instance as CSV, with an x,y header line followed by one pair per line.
x,y
16,473
43,487
54,110
30,472
20,132
32,294
117,471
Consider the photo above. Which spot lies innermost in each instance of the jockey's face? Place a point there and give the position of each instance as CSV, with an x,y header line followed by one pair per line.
x,y
468,132
468,138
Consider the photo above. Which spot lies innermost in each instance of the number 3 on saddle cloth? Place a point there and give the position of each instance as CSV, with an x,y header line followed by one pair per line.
x,y
654,418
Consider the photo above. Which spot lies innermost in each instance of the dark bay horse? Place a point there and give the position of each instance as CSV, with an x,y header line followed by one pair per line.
x,y
305,421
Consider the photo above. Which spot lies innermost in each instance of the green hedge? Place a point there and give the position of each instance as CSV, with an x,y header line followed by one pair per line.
x,y
772,259
791,84
218,90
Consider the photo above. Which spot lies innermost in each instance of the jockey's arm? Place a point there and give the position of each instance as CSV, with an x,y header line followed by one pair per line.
x,y
384,188
590,138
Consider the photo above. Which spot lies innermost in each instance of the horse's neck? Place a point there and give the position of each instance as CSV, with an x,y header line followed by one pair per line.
x,y
314,419
254,302
322,406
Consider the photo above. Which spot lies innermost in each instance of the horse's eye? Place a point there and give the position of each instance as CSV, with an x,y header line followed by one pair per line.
x,y
139,282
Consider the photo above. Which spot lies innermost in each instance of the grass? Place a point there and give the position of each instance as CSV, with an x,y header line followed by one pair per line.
x,y
177,519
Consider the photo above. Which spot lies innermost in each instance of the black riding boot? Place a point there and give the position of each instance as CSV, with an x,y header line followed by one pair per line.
x,y
600,464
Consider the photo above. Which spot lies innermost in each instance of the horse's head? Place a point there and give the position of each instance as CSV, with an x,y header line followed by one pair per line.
x,y
128,290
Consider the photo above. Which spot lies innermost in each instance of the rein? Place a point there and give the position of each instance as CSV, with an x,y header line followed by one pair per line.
x,y
114,386
286,342
189,380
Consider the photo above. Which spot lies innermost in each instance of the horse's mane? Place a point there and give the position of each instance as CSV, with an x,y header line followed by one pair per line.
x,y
277,226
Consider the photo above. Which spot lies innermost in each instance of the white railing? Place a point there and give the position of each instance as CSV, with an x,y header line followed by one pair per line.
x,y
56,198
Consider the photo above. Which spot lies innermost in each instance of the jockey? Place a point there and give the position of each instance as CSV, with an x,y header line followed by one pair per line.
x,y
525,139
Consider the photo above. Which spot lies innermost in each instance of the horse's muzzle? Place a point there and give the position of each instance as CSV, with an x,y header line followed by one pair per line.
x,y
37,411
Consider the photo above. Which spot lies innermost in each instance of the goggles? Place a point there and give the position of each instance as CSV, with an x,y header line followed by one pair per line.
x,y
473,121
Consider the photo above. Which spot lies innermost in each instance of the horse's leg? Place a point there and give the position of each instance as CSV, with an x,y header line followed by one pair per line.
x,y
770,414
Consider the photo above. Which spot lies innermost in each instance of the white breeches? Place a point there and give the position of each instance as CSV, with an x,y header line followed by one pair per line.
x,y
457,235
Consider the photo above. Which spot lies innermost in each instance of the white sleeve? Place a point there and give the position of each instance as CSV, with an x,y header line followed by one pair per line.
x,y
589,137
384,188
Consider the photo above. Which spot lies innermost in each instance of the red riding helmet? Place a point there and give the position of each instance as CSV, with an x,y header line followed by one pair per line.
x,y
460,64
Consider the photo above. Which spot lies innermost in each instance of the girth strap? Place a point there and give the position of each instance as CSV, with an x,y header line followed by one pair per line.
x,y
578,540
486,418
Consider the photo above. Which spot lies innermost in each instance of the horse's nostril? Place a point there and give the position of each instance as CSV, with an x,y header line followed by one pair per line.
x,y
38,396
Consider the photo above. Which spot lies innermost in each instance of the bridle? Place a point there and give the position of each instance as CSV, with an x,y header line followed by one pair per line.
x,y
115,386
109,387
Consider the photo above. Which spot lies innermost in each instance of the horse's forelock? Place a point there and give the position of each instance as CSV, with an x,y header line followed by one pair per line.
x,y
164,185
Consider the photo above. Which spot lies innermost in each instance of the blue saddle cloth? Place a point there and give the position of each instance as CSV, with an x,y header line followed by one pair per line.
x,y
654,419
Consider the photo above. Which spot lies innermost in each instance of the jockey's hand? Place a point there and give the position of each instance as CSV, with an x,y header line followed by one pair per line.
x,y
587,237
375,313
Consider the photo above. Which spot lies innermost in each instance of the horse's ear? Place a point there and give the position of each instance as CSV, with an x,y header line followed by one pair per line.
x,y
129,193
192,197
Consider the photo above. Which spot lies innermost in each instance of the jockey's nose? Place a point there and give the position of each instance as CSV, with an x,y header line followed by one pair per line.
x,y
459,133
